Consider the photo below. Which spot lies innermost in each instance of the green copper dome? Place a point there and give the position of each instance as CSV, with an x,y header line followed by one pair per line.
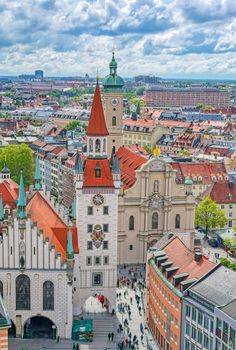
x,y
188,181
113,82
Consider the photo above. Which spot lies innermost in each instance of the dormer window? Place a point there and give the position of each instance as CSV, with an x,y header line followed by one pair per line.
x,y
98,170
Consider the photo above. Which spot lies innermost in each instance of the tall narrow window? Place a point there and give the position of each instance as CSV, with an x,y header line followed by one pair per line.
x,y
22,293
97,146
48,295
104,145
177,221
131,223
1,289
154,221
90,145
98,170
113,121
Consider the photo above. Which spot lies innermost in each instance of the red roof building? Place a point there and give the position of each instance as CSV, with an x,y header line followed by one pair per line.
x,y
52,225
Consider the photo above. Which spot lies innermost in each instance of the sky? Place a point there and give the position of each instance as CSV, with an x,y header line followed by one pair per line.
x,y
167,38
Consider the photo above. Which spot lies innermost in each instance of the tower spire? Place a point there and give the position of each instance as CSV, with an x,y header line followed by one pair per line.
x,y
21,204
70,249
1,209
37,176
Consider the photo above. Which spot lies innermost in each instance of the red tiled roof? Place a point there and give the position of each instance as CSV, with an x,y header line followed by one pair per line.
x,y
97,124
129,162
203,170
9,192
52,225
223,193
183,257
90,180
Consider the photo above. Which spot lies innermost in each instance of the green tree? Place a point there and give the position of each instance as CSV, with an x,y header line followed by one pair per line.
x,y
138,110
72,125
209,215
17,158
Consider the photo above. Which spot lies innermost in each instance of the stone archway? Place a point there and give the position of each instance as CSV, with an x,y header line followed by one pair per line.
x,y
39,327
95,304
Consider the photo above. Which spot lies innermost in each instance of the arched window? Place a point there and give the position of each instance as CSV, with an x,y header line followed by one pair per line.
x,y
97,145
48,295
90,145
22,292
131,223
1,289
104,145
113,121
156,186
154,221
177,221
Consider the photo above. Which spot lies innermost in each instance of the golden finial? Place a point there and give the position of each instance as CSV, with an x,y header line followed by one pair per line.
x,y
97,77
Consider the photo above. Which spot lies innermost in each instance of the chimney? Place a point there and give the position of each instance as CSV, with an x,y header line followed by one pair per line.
x,y
197,256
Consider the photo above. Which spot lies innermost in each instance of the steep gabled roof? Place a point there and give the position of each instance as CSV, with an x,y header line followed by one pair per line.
x,y
129,161
52,225
90,180
97,125
224,192
9,192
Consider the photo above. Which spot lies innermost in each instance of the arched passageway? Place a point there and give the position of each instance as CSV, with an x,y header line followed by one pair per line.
x,y
40,327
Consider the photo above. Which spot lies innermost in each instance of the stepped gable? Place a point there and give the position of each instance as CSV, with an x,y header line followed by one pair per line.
x,y
52,225
90,179
183,257
129,162
97,124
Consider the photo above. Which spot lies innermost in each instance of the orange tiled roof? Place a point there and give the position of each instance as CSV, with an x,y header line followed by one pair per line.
x,y
129,162
52,225
9,192
183,257
90,180
97,125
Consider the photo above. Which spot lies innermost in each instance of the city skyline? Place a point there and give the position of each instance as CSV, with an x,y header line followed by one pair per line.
x,y
165,38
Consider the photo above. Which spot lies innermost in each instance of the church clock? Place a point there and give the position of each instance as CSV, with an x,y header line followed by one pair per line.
x,y
98,199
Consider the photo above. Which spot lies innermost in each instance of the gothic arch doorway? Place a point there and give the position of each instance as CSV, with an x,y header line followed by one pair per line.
x,y
96,304
40,327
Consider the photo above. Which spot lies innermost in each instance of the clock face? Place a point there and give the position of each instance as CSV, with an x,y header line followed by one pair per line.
x,y
98,199
114,102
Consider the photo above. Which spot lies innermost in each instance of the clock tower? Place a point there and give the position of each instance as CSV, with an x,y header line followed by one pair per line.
x,y
113,106
97,188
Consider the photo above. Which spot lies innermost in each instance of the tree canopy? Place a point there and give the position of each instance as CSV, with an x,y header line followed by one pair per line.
x,y
209,215
73,125
17,158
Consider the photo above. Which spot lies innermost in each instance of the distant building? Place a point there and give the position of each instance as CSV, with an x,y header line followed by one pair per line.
x,y
180,97
38,75
147,79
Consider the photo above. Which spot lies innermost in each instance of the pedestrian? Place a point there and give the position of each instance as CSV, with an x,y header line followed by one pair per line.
x,y
134,338
141,327
126,342
131,300
112,336
77,346
74,348
109,336
129,343
129,313
139,309
142,338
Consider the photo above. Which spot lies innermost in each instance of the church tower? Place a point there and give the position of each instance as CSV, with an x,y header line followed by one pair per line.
x,y
113,106
97,187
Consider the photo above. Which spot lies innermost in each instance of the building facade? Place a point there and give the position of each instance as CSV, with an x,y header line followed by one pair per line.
x,y
171,269
208,312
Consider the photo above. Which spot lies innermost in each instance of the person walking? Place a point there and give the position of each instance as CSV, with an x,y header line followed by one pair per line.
x,y
109,336
112,336
131,300
139,309
142,338
129,313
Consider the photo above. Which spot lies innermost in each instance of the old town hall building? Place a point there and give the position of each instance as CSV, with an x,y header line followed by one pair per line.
x,y
50,265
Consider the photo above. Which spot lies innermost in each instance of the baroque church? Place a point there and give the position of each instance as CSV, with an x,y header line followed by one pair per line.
x,y
50,265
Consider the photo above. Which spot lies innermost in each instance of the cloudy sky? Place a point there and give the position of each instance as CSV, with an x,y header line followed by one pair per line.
x,y
169,38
